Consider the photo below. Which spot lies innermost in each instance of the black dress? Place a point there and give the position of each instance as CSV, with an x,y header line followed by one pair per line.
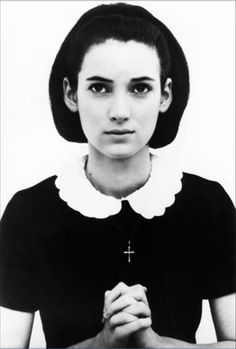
x,y
55,260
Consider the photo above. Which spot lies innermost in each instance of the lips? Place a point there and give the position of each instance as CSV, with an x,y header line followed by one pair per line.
x,y
119,132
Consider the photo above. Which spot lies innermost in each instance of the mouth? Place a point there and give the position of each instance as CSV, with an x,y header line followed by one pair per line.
x,y
119,132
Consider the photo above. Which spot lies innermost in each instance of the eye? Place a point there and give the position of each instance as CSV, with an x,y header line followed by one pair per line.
x,y
141,89
99,88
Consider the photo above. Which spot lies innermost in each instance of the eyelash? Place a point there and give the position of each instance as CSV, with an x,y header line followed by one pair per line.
x,y
96,85
107,89
146,87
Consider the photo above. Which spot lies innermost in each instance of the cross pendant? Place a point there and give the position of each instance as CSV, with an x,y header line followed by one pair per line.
x,y
129,252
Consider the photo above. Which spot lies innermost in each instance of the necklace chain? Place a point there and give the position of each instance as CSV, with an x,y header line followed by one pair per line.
x,y
121,230
129,251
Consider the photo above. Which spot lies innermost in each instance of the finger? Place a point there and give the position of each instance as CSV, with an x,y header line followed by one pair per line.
x,y
105,297
138,292
138,309
139,286
132,327
107,293
118,305
115,293
121,318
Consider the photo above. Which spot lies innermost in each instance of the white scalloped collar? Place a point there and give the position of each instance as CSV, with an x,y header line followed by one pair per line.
x,y
151,200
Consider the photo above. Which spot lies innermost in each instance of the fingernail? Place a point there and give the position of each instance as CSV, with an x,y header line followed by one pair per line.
x,y
107,293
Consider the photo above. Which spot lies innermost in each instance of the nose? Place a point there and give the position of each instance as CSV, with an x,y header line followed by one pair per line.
x,y
119,110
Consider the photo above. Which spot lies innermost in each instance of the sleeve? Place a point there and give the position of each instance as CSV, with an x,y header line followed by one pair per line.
x,y
18,274
219,251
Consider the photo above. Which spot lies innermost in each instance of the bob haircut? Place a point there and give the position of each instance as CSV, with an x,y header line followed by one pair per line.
x,y
122,22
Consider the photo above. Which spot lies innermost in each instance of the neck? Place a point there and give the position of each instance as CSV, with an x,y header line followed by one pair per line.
x,y
118,177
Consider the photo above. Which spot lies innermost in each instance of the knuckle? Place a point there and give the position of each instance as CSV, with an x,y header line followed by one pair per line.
x,y
124,318
120,317
138,292
130,318
122,285
139,287
126,299
143,323
131,301
112,321
107,299
110,310
148,311
142,308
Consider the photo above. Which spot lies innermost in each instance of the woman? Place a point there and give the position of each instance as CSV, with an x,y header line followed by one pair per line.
x,y
120,248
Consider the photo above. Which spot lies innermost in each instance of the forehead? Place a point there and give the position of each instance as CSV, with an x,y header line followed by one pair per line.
x,y
115,58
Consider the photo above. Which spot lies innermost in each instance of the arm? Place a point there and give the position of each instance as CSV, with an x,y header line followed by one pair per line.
x,y
115,333
119,326
223,313
16,328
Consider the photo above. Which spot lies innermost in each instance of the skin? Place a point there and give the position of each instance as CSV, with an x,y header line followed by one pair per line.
x,y
132,300
119,104
119,165
127,165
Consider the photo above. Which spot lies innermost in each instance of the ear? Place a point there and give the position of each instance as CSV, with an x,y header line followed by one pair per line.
x,y
70,97
167,96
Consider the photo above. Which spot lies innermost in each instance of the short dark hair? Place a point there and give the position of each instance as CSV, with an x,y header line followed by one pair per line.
x,y
123,22
122,28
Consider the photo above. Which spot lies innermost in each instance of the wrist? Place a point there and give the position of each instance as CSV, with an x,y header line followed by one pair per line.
x,y
103,340
100,341
147,338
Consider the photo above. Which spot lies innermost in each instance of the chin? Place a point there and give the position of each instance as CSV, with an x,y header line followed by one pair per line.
x,y
118,151
121,152
119,156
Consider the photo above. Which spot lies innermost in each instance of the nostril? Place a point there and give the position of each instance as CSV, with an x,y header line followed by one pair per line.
x,y
119,119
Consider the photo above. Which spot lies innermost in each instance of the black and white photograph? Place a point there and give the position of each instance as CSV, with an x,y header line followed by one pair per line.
x,y
117,174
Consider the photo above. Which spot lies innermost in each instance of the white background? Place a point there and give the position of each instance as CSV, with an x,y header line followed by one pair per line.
x,y
31,149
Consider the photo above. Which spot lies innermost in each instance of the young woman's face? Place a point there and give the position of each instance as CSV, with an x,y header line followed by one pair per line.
x,y
119,96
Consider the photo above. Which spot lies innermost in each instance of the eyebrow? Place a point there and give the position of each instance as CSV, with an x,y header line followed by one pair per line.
x,y
98,78
101,79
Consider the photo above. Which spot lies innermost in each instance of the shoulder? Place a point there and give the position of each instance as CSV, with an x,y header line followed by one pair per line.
x,y
34,202
41,193
199,189
41,189
204,200
195,183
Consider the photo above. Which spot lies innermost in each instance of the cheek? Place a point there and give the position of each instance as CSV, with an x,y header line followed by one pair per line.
x,y
87,114
148,116
92,120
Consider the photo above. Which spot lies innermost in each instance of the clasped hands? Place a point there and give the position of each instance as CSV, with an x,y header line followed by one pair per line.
x,y
126,313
